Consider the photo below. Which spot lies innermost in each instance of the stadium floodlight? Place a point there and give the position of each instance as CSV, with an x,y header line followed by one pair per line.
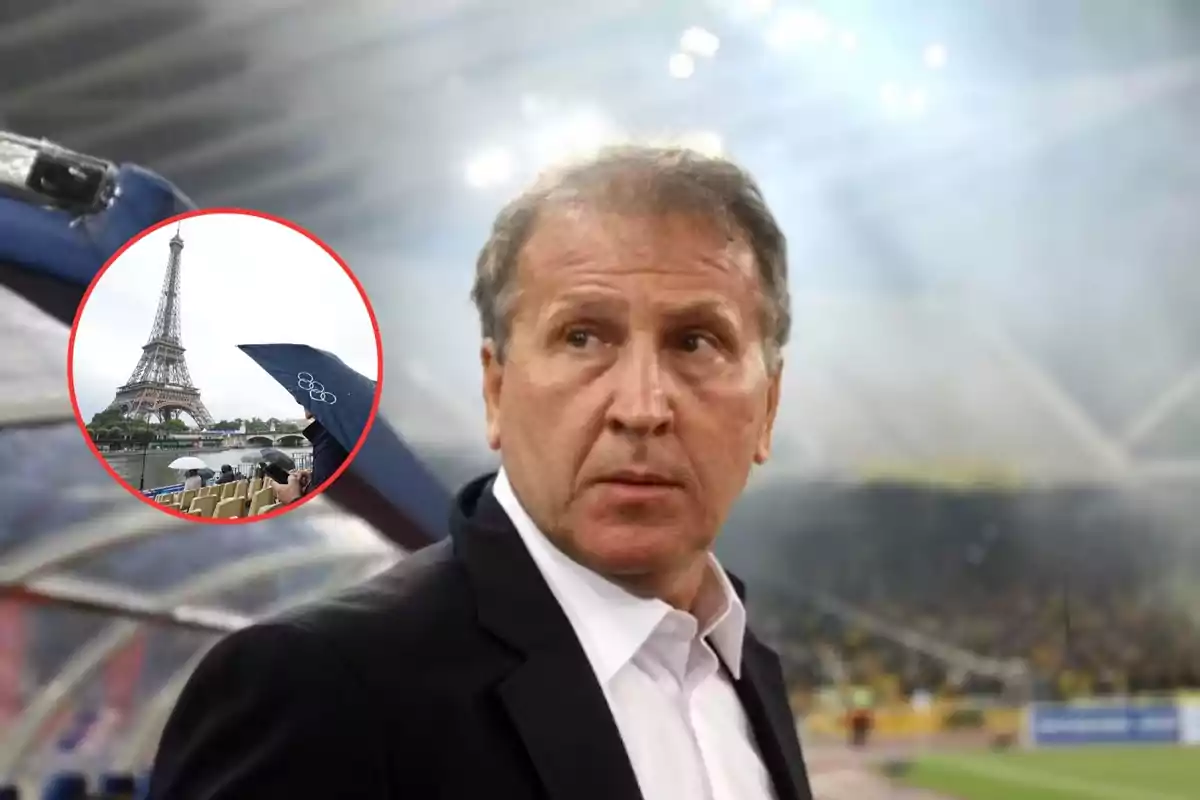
x,y
793,27
891,95
40,172
681,66
699,42
707,142
532,106
917,101
490,168
575,135
904,102
935,56
907,102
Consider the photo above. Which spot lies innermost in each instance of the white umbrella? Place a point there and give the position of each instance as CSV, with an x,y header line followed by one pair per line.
x,y
187,462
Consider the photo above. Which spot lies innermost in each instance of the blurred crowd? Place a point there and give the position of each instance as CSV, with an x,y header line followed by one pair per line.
x,y
1091,592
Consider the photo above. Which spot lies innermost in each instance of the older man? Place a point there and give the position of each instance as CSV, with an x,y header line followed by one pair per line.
x,y
575,639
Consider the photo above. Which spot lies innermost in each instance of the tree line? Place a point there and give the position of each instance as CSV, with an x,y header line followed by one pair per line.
x,y
111,424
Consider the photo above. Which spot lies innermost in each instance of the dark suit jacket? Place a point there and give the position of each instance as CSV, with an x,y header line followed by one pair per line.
x,y
454,675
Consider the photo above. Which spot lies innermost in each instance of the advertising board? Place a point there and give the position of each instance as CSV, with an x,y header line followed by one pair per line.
x,y
1117,724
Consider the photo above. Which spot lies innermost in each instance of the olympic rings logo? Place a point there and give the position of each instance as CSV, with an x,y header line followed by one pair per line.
x,y
305,382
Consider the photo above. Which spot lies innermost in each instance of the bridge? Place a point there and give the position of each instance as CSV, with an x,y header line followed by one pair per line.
x,y
234,439
265,440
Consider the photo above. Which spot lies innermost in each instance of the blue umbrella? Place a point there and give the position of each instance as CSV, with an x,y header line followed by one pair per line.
x,y
341,400
51,255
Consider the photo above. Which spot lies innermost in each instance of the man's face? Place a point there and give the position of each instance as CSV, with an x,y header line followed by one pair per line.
x,y
634,395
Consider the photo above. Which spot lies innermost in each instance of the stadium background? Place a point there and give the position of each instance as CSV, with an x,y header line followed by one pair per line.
x,y
984,493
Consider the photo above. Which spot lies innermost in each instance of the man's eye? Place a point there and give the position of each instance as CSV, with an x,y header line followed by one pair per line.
x,y
694,342
578,337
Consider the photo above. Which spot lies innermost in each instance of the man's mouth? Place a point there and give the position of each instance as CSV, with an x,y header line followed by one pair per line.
x,y
639,478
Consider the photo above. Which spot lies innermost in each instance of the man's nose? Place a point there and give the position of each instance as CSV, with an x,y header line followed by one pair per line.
x,y
640,398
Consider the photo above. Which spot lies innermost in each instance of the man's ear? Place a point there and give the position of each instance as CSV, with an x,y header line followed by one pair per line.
x,y
493,380
762,451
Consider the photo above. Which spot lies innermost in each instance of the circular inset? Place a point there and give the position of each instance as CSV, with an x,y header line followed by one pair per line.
x,y
224,366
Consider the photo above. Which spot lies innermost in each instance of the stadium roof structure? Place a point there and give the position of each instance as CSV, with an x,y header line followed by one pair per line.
x,y
98,591
107,602
1028,169
990,210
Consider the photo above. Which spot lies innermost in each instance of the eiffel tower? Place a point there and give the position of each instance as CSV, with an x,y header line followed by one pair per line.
x,y
160,384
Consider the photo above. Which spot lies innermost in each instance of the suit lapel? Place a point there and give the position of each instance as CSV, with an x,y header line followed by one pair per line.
x,y
564,721
764,697
553,698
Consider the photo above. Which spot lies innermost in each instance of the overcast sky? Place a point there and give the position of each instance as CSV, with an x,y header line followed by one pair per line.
x,y
245,280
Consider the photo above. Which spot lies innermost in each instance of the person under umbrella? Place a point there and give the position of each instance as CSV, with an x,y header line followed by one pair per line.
x,y
274,465
192,468
268,461
385,484
328,455
277,458
192,480
255,465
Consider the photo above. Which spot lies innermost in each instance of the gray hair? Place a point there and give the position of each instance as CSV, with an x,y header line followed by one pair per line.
x,y
638,178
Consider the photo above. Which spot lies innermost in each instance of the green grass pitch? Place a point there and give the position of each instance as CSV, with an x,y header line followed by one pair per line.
x,y
1092,773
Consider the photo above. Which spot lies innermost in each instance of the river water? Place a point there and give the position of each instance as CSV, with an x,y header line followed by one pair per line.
x,y
157,473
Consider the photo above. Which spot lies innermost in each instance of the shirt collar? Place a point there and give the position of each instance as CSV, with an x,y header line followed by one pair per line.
x,y
612,624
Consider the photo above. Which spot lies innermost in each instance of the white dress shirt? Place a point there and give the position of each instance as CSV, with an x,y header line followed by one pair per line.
x,y
680,718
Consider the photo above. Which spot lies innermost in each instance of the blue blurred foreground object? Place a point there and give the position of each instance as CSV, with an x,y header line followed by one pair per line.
x,y
63,215
45,174
66,786
386,484
118,786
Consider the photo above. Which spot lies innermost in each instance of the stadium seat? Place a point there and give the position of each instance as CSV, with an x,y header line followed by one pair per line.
x,y
229,508
205,504
261,498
